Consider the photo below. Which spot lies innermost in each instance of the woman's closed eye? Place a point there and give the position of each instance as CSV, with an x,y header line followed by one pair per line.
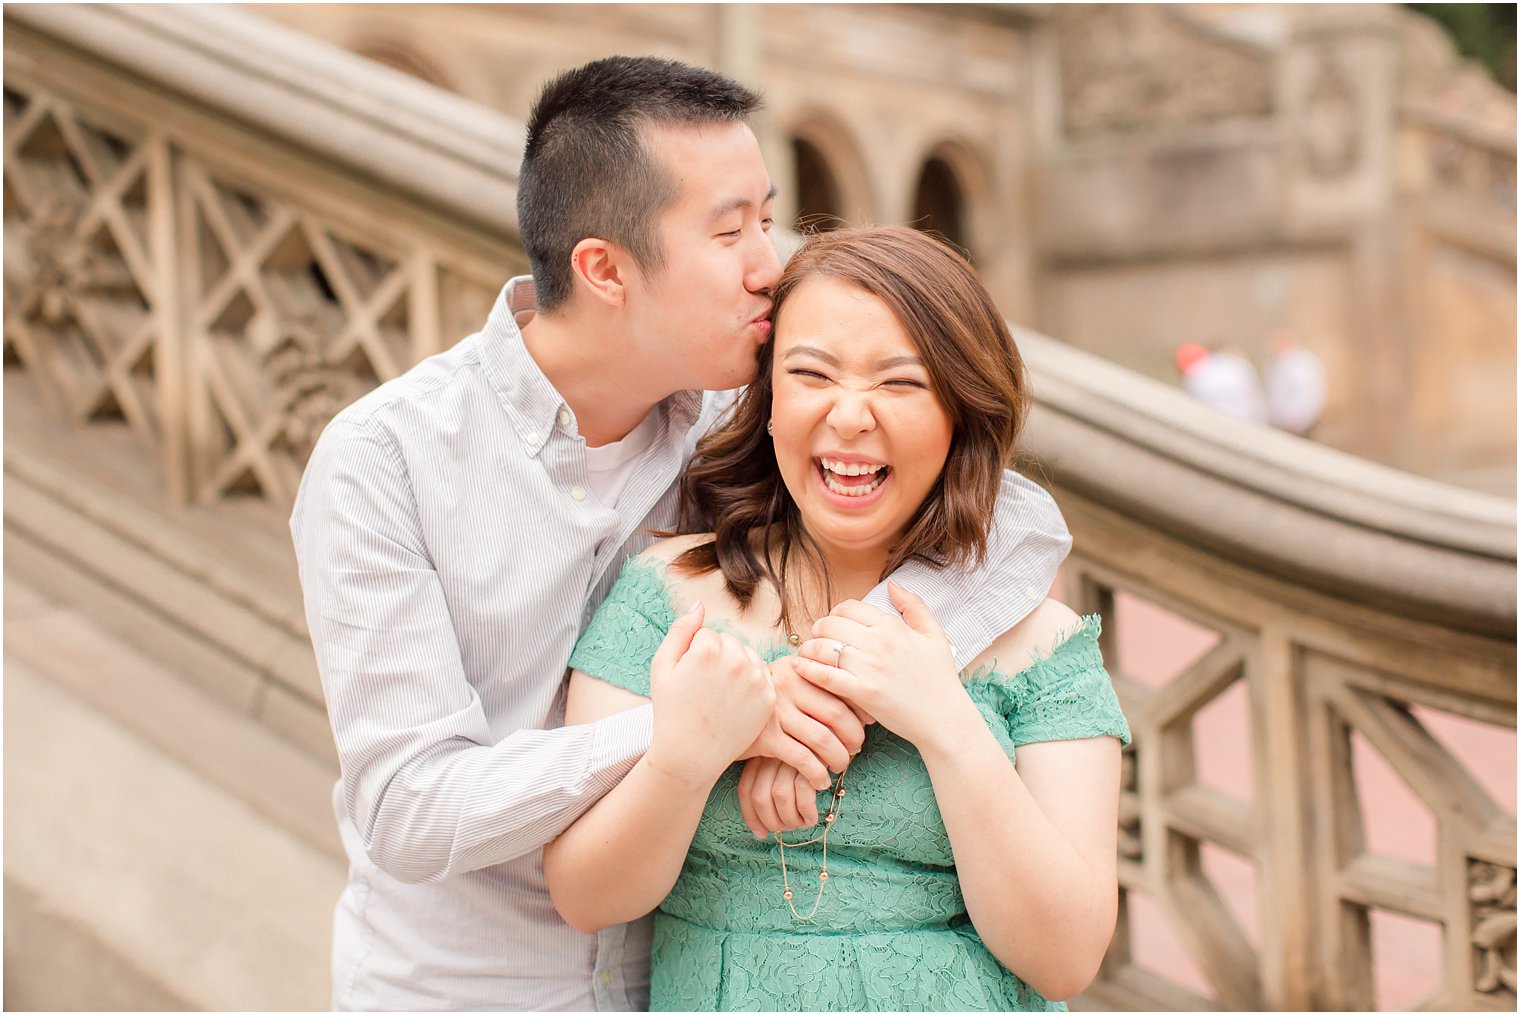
x,y
900,383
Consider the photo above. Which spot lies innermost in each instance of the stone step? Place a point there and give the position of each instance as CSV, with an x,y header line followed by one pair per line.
x,y
162,851
241,756
209,592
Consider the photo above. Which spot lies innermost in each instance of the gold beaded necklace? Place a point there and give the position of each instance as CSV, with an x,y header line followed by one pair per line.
x,y
823,874
836,797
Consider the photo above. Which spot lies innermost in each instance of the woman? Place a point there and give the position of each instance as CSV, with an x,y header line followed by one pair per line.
x,y
965,858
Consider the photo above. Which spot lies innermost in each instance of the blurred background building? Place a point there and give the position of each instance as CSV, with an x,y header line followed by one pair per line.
x,y
1128,178
223,225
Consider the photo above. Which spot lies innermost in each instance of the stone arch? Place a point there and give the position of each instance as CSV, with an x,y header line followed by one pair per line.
x,y
829,180
950,193
817,191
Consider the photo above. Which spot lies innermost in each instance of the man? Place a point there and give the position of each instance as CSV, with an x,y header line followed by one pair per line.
x,y
457,527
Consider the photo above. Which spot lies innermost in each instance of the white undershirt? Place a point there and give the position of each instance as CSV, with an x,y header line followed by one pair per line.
x,y
609,466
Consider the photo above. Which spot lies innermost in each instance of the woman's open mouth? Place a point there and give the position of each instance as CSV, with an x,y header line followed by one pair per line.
x,y
851,479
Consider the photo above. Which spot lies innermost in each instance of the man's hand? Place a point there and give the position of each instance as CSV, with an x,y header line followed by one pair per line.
x,y
712,694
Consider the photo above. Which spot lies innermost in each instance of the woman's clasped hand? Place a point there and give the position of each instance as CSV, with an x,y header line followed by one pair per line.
x,y
901,671
692,667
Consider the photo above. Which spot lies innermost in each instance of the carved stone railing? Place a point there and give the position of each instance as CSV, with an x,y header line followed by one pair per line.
x,y
1348,600
1457,127
217,232
221,248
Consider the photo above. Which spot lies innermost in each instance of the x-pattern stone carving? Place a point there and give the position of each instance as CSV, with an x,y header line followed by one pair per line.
x,y
1480,172
1330,143
223,310
1139,67
1195,814
294,322
1131,846
82,312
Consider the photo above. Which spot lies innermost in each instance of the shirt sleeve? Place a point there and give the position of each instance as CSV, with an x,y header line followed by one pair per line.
x,y
430,789
1026,543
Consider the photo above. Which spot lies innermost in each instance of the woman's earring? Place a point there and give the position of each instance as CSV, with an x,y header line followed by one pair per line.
x,y
770,426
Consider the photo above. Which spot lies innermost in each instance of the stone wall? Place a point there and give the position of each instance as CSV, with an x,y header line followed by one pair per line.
x,y
1214,174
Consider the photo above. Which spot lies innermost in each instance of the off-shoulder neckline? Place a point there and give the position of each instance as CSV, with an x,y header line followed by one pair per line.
x,y
1084,632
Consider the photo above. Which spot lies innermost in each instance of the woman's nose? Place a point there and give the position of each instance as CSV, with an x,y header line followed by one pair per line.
x,y
851,413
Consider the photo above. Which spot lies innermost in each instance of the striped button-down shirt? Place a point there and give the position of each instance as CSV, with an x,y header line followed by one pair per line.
x,y
450,556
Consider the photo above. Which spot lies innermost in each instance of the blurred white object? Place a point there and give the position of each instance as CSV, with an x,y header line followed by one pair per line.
x,y
1295,386
1224,381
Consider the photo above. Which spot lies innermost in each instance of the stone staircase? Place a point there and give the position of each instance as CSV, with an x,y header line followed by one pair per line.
x,y
159,849
169,841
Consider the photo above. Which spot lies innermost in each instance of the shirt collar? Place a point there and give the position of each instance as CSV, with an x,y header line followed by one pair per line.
x,y
531,401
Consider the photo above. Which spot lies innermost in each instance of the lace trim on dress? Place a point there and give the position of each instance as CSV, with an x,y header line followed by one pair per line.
x,y
1064,693
621,640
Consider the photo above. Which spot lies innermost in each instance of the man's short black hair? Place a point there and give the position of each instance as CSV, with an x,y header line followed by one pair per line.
x,y
586,170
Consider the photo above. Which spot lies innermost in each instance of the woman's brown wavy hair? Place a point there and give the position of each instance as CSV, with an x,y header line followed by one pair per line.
x,y
733,486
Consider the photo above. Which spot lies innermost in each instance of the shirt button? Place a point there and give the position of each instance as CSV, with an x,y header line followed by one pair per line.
x,y
531,437
564,417
579,493
1030,593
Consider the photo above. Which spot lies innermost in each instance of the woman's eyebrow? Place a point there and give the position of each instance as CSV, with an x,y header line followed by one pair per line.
x,y
808,350
832,360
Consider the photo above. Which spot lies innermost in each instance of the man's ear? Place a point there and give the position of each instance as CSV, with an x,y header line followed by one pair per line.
x,y
600,267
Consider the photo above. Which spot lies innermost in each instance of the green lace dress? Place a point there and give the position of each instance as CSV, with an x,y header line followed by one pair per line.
x,y
892,932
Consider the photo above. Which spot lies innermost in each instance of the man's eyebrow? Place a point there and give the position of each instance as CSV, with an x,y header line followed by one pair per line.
x,y
739,204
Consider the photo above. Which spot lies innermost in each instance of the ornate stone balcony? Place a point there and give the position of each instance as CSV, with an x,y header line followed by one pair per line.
x,y
218,232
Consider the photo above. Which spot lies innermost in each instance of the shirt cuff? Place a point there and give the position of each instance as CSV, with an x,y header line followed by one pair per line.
x,y
620,742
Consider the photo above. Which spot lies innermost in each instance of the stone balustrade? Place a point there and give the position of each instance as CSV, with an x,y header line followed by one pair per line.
x,y
1349,600
218,232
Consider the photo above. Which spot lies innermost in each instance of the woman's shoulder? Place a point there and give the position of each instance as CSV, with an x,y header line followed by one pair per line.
x,y
665,551
1046,677
638,609
657,566
1049,627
